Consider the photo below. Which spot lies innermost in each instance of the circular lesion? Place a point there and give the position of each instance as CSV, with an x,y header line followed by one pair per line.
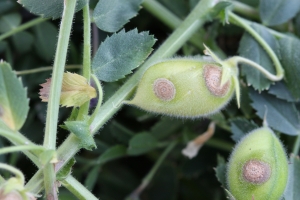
x,y
212,76
164,89
256,171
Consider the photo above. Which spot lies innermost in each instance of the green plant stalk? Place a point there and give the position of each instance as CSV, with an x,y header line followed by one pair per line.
x,y
18,173
18,139
172,21
189,26
22,27
296,145
43,69
54,97
21,148
242,23
245,10
80,191
86,56
145,182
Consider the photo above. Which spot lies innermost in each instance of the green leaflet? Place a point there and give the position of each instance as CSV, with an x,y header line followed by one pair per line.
x,y
113,60
48,9
112,15
13,98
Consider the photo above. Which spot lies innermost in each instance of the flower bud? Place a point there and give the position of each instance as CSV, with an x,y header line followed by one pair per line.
x,y
183,87
258,167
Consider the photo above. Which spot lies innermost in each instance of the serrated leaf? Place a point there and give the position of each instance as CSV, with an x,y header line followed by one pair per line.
x,y
112,15
23,41
82,132
292,191
290,59
280,91
45,40
275,12
240,127
13,98
141,143
221,170
49,9
66,170
121,53
281,115
251,49
112,153
9,22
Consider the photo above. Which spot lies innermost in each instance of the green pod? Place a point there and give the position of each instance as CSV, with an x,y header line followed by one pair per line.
x,y
183,87
258,167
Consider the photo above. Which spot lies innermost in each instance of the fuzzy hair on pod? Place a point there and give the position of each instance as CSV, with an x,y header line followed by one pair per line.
x,y
258,167
183,87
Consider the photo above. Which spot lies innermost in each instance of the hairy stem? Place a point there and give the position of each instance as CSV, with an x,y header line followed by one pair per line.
x,y
22,27
54,98
296,145
18,173
43,69
86,55
245,10
242,23
80,191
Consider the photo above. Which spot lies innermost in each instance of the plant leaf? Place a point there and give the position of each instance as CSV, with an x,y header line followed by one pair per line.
x,y
13,98
281,115
112,153
292,191
240,127
120,132
164,128
92,178
121,53
281,92
221,170
290,59
275,12
82,132
9,22
6,5
45,40
48,9
23,41
66,170
141,143
112,15
251,49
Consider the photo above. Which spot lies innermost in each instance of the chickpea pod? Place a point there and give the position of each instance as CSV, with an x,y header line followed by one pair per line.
x,y
258,167
183,87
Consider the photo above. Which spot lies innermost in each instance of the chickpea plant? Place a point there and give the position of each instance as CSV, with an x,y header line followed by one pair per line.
x,y
159,146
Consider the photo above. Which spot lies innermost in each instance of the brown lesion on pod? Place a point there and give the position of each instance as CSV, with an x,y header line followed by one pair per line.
x,y
164,89
256,171
212,76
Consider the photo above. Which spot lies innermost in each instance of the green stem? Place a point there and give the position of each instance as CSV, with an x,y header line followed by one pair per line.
x,y
18,139
296,145
86,55
244,24
245,10
21,148
278,77
22,27
43,69
54,97
100,97
135,194
78,189
18,173
189,26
